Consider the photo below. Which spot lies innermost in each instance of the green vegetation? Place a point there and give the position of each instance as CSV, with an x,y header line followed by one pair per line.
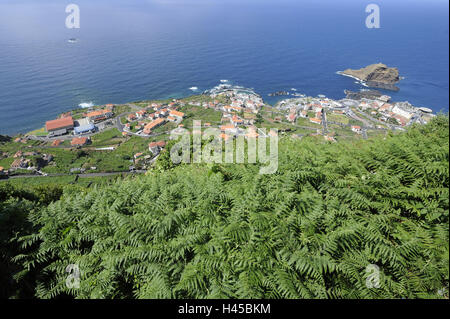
x,y
224,231
167,127
62,181
6,162
199,113
120,109
107,138
39,132
339,118
306,123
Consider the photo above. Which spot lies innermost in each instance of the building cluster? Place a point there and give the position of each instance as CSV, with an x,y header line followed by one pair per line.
x,y
20,139
379,108
66,124
241,100
141,160
153,116
156,147
401,113
311,108
29,161
228,132
242,104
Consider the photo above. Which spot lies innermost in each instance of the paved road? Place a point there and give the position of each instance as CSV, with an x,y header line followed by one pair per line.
x,y
350,113
390,126
324,122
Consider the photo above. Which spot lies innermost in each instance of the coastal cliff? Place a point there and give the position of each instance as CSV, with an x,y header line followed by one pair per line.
x,y
376,75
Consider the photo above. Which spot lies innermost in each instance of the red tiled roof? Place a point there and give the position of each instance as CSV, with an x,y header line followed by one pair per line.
x,y
155,144
224,136
227,127
59,123
79,141
154,124
56,142
315,120
177,114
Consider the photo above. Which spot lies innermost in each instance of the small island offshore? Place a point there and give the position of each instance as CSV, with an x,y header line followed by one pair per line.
x,y
376,76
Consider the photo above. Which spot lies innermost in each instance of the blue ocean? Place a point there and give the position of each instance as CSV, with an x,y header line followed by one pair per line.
x,y
130,50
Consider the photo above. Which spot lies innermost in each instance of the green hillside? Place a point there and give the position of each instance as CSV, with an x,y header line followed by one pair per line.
x,y
224,231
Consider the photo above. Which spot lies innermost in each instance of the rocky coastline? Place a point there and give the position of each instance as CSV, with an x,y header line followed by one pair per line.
x,y
376,76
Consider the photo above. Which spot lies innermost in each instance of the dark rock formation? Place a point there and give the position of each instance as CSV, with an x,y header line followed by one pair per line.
x,y
369,94
4,138
377,76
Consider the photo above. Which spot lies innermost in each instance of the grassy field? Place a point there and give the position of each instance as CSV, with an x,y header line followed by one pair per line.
x,y
305,122
120,109
311,114
199,113
12,147
39,132
6,162
107,138
338,118
165,128
375,133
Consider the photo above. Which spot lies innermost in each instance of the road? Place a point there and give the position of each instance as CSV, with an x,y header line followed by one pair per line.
x,y
324,122
350,113
390,126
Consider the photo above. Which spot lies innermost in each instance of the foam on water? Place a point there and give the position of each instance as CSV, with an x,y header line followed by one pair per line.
x,y
86,105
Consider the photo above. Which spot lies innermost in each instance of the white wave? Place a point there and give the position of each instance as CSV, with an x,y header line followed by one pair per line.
x,y
293,89
358,80
86,105
348,75
224,81
194,88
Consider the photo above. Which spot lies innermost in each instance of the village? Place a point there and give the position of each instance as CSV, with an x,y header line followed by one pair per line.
x,y
129,138
360,112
